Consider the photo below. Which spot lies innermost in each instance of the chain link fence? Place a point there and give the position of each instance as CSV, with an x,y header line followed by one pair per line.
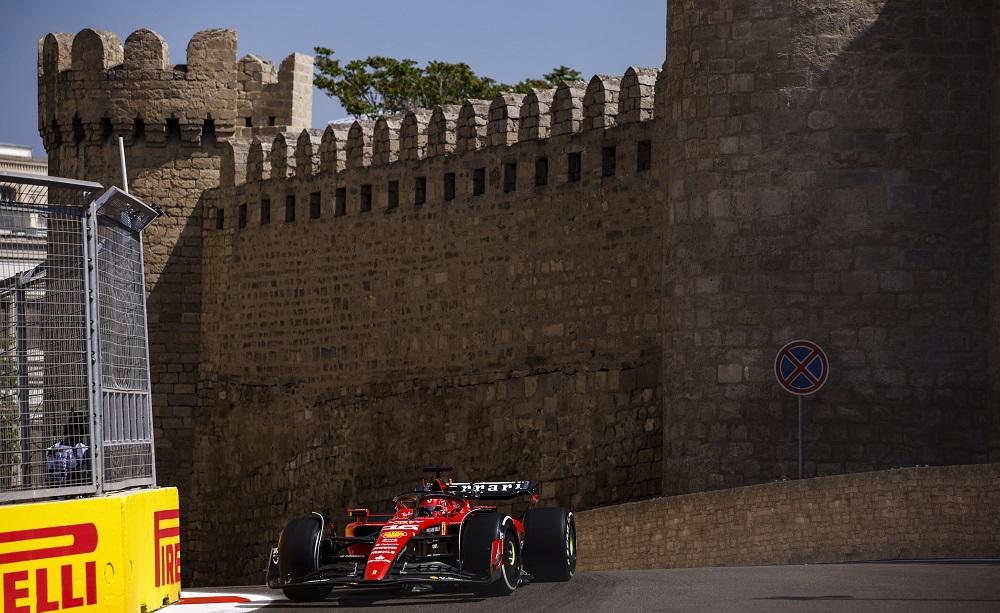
x,y
127,433
75,415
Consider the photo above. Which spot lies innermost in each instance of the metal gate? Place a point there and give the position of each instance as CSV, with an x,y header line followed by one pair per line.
x,y
75,414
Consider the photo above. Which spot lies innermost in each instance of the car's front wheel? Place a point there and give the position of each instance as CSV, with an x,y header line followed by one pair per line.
x,y
485,537
298,557
510,565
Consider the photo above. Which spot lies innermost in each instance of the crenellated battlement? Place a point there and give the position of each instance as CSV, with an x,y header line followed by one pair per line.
x,y
359,144
441,130
569,109
92,88
414,134
307,152
333,148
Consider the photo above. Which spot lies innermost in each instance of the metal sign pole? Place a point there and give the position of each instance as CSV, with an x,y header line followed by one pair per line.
x,y
800,437
121,158
801,368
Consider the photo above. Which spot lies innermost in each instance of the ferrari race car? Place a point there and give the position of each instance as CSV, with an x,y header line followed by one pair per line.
x,y
440,533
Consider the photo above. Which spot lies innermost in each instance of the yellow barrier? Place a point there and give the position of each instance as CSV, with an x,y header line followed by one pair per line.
x,y
114,553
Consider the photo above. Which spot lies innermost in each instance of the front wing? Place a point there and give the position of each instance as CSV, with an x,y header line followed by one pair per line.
x,y
350,570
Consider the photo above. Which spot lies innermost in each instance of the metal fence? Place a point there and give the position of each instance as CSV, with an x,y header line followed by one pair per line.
x,y
75,415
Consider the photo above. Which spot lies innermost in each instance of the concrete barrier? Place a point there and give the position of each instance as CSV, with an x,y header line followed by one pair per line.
x,y
112,553
896,514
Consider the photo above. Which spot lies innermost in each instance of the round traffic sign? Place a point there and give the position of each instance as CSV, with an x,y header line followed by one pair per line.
x,y
801,367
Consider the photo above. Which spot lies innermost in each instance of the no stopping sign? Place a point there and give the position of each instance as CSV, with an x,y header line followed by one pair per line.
x,y
801,367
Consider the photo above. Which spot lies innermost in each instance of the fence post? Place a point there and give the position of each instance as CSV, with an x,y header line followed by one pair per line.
x,y
21,352
91,288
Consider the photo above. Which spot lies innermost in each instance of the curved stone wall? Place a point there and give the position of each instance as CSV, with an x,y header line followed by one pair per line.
x,y
910,514
828,165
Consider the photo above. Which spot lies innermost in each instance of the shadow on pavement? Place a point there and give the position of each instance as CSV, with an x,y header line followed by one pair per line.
x,y
379,599
854,599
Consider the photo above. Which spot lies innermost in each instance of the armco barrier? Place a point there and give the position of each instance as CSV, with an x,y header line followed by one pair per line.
x,y
913,513
111,553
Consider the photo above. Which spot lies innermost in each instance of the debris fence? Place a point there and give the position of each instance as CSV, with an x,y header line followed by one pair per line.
x,y
75,415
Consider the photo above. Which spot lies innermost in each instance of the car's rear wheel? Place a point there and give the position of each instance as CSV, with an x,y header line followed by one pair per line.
x,y
479,534
298,557
550,544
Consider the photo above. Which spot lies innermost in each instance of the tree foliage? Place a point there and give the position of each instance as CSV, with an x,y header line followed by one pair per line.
x,y
380,85
10,444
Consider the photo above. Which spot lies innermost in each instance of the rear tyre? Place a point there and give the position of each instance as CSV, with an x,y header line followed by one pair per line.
x,y
550,544
479,533
298,556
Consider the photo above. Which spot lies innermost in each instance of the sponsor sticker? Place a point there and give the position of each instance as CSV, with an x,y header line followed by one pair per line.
x,y
53,589
489,486
113,553
392,534
167,546
402,526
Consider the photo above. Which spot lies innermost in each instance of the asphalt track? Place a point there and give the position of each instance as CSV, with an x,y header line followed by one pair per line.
x,y
911,587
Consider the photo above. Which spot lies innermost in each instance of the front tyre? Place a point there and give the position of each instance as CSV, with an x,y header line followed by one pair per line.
x,y
550,544
298,557
488,538
510,566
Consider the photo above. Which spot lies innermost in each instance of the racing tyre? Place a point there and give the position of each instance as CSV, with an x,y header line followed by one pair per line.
x,y
550,544
298,556
478,535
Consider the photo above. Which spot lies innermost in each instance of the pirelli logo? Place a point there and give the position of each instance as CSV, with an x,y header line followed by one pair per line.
x,y
55,583
167,543
104,553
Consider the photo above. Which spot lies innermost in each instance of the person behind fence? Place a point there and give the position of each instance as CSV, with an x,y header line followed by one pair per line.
x,y
68,461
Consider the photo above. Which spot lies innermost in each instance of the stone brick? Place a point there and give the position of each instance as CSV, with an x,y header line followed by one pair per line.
x,y
730,373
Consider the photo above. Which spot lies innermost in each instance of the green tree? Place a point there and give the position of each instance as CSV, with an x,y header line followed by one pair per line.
x,y
549,79
380,85
10,444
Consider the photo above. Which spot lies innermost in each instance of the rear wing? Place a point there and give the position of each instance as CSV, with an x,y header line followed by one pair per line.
x,y
494,490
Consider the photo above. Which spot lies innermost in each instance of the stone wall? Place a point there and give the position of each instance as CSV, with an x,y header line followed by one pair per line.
x,y
995,238
828,165
913,513
512,333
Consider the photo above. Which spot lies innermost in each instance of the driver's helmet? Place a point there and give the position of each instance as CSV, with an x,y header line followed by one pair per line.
x,y
434,506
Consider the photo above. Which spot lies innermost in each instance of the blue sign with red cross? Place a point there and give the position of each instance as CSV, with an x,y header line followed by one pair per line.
x,y
801,367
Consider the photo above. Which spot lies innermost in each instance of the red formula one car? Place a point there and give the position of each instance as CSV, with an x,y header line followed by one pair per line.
x,y
438,534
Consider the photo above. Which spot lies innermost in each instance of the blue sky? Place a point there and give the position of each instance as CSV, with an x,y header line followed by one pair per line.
x,y
507,41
